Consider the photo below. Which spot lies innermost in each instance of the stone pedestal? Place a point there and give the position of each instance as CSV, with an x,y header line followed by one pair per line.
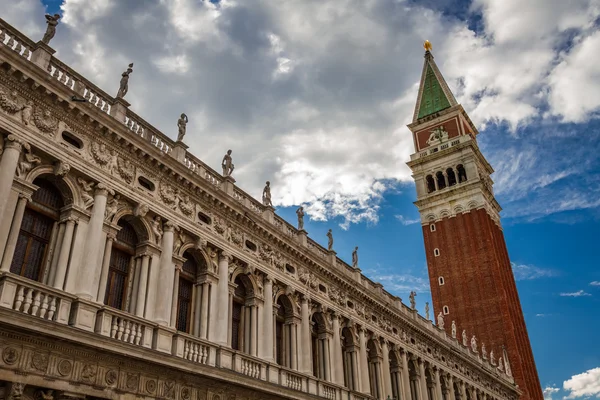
x,y
179,151
83,315
42,54
269,214
228,183
302,237
224,358
163,339
119,109
332,257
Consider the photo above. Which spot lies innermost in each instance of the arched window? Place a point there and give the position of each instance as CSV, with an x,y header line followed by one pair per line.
x,y
242,316
350,357
396,378
319,346
121,260
38,226
374,368
285,333
441,180
451,177
187,278
430,183
462,174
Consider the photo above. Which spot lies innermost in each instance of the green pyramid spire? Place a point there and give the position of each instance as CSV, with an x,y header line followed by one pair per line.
x,y
434,94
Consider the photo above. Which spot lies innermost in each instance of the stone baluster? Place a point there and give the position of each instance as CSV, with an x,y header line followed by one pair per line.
x,y
140,303
8,166
166,276
13,236
338,363
110,238
63,256
385,370
88,273
222,316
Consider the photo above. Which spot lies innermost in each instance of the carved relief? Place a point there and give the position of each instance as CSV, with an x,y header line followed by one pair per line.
x,y
169,389
186,206
132,381
100,153
10,355
156,227
151,386
16,391
39,362
86,192
337,296
88,373
308,278
9,102
219,225
141,210
27,112
64,367
45,122
126,170
27,160
185,393
111,377
112,206
168,194
61,169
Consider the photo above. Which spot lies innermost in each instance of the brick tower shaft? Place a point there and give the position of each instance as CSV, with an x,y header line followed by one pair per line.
x,y
469,268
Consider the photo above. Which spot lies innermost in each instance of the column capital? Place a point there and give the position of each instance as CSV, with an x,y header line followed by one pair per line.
x,y
225,255
103,190
25,196
169,226
111,236
13,142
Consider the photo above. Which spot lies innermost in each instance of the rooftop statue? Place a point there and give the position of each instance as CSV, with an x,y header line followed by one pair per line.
x,y
427,45
182,126
124,84
411,297
453,330
52,21
266,196
440,320
330,240
474,344
227,164
464,338
355,257
427,310
300,214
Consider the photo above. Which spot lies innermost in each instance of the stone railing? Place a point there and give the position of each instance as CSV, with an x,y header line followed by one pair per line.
x,y
124,327
291,379
443,146
17,42
327,391
250,366
32,298
193,349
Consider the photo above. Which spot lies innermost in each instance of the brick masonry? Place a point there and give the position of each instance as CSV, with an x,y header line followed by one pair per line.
x,y
480,291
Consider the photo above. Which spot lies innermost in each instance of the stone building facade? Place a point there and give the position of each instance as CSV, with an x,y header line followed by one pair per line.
x,y
470,273
131,269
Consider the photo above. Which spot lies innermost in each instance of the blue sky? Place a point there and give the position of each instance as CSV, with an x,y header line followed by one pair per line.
x,y
320,109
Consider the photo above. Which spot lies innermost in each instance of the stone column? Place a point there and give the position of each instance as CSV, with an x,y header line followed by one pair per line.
x,y
405,377
222,317
438,385
13,236
213,328
463,390
152,285
54,246
385,370
293,347
110,237
166,276
305,364
8,166
267,339
260,312
253,329
338,363
88,274
175,296
364,363
204,311
136,283
422,380
140,303
326,358
63,257
450,387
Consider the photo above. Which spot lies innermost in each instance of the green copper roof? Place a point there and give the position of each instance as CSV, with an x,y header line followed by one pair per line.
x,y
434,99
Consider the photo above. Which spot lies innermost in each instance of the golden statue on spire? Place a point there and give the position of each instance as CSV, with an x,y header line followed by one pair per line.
x,y
427,45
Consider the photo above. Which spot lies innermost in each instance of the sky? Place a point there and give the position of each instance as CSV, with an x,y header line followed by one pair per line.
x,y
315,96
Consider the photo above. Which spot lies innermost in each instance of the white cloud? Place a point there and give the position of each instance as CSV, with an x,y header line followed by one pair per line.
x,y
407,221
542,315
399,283
579,293
595,283
586,384
549,391
524,272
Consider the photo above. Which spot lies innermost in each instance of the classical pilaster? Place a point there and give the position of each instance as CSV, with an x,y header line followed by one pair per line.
x,y
222,316
405,377
267,322
8,166
63,256
13,236
140,303
166,276
365,386
108,243
385,370
338,370
305,364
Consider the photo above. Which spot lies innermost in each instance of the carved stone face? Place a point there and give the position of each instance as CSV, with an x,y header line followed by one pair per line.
x,y
47,113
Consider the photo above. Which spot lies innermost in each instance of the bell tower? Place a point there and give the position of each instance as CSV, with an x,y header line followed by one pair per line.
x,y
469,269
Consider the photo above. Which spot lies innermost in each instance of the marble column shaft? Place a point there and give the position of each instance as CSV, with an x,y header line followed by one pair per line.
x,y
105,267
204,311
305,357
422,380
385,371
166,276
88,274
405,377
364,363
8,167
438,385
267,347
63,257
222,317
175,297
13,236
338,363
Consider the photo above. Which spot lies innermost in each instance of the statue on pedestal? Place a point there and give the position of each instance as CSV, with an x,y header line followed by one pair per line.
x,y
453,330
124,84
329,240
411,297
464,338
182,126
52,21
427,310
440,320
227,164
300,214
474,344
266,196
355,258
